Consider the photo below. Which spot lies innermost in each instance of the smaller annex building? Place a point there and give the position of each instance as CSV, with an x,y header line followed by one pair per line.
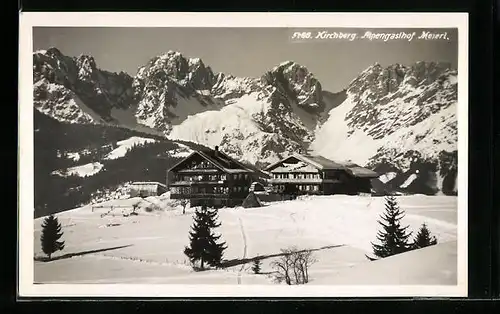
x,y
308,174
144,189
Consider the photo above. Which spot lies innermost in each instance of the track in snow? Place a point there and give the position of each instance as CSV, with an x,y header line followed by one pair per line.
x,y
243,234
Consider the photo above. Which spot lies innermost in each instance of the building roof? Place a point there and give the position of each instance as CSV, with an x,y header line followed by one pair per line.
x,y
222,161
148,183
362,172
322,163
319,161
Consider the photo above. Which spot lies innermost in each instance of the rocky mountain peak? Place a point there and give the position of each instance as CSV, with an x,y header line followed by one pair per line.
x,y
426,72
379,81
63,84
53,52
173,66
297,83
87,66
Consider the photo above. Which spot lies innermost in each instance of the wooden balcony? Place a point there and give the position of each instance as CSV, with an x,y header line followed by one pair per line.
x,y
199,170
302,181
191,183
199,196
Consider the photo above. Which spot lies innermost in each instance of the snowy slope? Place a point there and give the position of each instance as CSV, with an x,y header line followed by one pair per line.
x,y
147,248
435,265
428,135
236,130
81,170
125,145
61,103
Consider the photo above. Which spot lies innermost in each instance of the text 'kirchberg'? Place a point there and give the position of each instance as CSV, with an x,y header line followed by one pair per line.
x,y
324,35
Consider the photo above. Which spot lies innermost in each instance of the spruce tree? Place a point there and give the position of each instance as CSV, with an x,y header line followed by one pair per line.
x,y
393,237
423,238
51,233
203,241
256,266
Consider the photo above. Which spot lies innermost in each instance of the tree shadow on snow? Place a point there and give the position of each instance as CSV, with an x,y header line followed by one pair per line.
x,y
240,261
70,255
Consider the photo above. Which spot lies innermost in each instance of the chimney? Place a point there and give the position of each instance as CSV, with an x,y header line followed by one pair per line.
x,y
216,150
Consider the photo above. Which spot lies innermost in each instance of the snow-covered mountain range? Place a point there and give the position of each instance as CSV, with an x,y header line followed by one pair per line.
x,y
400,120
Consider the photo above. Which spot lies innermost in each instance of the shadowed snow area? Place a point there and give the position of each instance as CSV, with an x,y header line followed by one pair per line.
x,y
435,265
108,245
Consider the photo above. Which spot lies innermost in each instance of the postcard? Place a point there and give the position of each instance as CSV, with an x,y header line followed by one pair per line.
x,y
243,154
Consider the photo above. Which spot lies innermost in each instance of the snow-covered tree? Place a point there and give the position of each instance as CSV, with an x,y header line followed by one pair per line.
x,y
203,241
423,238
393,237
51,233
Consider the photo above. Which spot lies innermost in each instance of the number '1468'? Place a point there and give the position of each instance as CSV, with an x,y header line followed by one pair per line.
x,y
301,35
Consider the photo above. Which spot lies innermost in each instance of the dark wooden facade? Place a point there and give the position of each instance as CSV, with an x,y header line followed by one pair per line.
x,y
315,175
211,178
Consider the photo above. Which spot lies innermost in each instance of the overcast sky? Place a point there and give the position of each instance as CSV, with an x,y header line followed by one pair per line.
x,y
247,51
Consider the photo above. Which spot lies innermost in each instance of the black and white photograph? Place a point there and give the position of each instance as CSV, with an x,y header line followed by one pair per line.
x,y
243,154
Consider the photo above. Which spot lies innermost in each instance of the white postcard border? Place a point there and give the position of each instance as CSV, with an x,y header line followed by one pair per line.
x,y
28,20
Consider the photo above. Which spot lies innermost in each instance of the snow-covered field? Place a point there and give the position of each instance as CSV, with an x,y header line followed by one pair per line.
x,y
108,245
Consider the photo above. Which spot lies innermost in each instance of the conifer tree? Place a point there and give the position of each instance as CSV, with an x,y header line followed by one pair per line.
x,y
203,241
51,233
393,237
423,238
256,266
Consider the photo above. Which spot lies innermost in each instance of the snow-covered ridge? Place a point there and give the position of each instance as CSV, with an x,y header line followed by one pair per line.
x,y
401,115
181,151
387,101
75,90
85,170
125,145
